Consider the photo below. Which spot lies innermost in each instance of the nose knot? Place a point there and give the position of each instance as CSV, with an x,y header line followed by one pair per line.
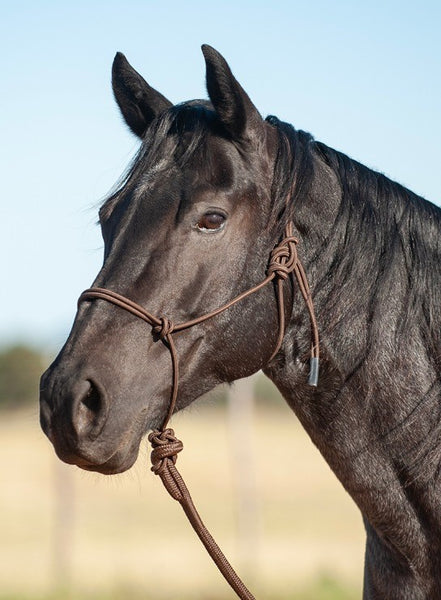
x,y
283,258
166,447
164,328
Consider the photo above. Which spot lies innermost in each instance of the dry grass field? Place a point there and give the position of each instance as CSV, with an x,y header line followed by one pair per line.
x,y
70,534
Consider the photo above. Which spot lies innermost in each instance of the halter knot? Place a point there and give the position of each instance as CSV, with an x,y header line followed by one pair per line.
x,y
166,447
283,258
164,329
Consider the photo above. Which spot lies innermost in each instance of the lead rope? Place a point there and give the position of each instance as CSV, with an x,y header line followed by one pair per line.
x,y
166,446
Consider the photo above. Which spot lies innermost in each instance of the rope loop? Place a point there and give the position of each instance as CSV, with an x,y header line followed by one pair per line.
x,y
165,328
283,258
166,447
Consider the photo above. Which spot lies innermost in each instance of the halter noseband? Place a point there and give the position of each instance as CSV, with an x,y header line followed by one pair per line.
x,y
283,261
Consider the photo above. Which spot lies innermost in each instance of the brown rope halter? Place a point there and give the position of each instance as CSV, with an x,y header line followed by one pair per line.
x,y
166,446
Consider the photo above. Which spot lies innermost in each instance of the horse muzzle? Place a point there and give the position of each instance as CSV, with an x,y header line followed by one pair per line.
x,y
75,417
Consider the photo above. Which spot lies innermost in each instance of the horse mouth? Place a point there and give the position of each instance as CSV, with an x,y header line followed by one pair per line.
x,y
99,456
118,463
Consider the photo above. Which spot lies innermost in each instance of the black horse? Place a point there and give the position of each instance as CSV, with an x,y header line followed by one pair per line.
x,y
191,226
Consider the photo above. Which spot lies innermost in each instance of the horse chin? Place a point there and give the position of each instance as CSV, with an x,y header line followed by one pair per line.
x,y
96,457
116,464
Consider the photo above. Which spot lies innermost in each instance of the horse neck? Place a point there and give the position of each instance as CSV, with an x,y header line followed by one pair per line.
x,y
375,415
371,250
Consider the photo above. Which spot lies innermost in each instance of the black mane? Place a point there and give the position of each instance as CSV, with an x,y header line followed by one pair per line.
x,y
377,217
401,229
183,128
388,239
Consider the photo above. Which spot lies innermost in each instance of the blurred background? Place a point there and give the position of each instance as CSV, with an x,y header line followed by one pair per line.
x,y
363,78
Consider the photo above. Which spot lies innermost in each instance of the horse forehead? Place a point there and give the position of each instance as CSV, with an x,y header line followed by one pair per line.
x,y
216,164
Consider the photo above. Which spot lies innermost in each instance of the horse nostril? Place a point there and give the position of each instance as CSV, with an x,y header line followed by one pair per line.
x,y
90,409
92,399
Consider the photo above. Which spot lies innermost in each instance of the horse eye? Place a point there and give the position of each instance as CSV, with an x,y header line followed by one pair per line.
x,y
211,222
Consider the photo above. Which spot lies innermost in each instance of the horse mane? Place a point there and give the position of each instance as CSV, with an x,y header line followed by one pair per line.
x,y
402,230
183,127
293,172
384,252
377,218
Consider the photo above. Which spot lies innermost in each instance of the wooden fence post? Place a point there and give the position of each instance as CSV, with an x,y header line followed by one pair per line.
x,y
63,527
241,414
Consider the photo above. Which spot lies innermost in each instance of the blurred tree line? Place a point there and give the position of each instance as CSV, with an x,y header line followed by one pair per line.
x,y
21,367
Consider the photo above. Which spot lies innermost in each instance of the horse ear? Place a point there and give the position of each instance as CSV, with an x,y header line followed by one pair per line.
x,y
237,113
139,103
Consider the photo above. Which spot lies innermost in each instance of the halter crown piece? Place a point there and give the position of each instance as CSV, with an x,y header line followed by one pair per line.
x,y
283,261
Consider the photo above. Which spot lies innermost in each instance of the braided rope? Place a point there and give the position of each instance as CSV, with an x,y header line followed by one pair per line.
x,y
164,454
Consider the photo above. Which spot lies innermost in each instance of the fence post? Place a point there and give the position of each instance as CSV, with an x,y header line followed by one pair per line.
x,y
63,526
241,415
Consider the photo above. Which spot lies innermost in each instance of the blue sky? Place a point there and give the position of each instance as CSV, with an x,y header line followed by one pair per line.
x,y
362,77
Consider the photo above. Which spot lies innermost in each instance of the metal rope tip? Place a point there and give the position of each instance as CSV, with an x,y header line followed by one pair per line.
x,y
314,366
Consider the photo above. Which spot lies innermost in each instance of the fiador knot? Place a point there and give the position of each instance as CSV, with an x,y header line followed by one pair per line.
x,y
166,447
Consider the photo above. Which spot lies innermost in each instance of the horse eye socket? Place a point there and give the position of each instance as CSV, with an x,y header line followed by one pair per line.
x,y
211,222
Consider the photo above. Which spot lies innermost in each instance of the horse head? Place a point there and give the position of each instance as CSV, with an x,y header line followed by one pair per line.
x,y
191,226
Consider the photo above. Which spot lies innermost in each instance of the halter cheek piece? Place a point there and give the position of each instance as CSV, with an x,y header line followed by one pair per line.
x,y
283,262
